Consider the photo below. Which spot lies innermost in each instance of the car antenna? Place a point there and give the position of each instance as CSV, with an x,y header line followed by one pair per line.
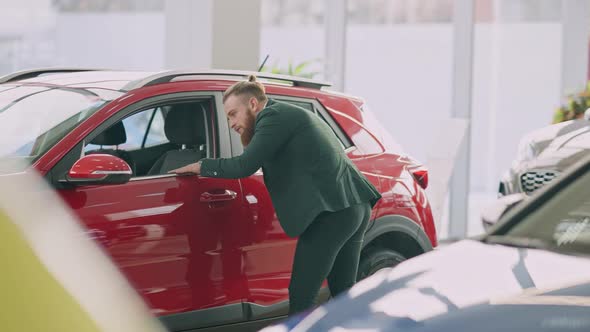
x,y
263,62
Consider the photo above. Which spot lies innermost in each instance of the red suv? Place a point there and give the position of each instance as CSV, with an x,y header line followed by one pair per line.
x,y
202,252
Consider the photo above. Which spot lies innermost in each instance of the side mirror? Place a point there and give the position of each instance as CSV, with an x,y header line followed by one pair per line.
x,y
99,169
491,214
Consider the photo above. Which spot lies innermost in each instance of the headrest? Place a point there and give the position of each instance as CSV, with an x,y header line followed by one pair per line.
x,y
115,135
185,124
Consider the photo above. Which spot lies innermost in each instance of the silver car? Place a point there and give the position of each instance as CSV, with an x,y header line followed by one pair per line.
x,y
544,154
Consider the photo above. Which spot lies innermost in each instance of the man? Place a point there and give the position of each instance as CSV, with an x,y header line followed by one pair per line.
x,y
317,192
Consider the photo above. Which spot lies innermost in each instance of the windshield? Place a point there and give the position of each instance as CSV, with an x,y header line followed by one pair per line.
x,y
34,118
562,223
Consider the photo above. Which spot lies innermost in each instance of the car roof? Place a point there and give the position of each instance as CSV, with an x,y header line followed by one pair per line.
x,y
107,79
130,80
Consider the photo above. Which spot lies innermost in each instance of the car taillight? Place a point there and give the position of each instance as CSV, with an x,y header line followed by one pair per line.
x,y
421,176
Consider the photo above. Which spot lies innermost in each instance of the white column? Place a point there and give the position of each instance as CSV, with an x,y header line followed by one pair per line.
x,y
575,22
221,34
236,34
335,62
461,109
188,34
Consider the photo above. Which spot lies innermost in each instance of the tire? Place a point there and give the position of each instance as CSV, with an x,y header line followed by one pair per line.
x,y
374,259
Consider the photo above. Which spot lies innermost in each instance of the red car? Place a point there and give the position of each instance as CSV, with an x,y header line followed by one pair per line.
x,y
202,252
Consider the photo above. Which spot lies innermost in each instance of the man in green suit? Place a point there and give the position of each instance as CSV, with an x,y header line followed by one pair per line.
x,y
317,192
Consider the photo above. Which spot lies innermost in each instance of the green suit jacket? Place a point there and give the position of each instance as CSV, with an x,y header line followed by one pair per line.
x,y
305,168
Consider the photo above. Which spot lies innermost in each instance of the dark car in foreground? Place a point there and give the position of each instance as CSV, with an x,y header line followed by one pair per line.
x,y
530,272
202,252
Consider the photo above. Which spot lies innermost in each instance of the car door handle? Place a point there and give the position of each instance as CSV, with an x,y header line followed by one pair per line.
x,y
208,197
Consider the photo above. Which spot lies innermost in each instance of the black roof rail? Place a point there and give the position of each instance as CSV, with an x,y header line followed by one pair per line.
x,y
25,74
169,76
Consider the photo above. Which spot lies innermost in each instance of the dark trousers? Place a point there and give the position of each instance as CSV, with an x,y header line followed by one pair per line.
x,y
329,248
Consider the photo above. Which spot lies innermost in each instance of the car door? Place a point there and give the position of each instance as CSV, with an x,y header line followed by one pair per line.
x,y
177,238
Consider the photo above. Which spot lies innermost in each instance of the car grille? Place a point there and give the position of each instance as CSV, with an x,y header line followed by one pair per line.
x,y
533,180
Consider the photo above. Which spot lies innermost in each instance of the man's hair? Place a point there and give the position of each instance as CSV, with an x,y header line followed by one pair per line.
x,y
249,88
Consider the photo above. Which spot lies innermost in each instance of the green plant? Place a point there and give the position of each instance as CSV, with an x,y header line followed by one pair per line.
x,y
574,107
300,70
560,115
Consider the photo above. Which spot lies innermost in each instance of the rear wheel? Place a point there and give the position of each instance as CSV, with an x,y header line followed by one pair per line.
x,y
374,259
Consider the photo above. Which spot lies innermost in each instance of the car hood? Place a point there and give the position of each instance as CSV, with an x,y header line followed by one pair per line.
x,y
545,144
464,285
541,138
563,152
559,159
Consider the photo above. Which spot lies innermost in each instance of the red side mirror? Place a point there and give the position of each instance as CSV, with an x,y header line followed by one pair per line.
x,y
99,169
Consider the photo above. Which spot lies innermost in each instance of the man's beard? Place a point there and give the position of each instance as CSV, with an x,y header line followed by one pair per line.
x,y
248,132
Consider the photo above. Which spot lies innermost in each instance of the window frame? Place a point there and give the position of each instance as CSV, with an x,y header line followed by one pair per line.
x,y
222,143
323,114
145,132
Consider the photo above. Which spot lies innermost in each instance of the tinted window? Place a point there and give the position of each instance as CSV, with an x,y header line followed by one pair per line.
x,y
156,134
136,126
329,121
145,145
304,105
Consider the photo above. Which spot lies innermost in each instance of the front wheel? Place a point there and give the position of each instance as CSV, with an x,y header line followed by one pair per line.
x,y
374,259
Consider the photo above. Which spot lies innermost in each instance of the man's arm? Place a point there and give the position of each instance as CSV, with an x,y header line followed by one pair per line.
x,y
269,137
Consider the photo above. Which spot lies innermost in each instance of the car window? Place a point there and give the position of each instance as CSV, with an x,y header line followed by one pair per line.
x,y
156,134
141,139
310,107
305,105
135,127
330,122
33,119
563,221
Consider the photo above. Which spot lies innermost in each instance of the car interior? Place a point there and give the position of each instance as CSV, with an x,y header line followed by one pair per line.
x,y
156,140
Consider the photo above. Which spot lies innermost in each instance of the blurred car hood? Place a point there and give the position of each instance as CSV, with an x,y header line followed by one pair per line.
x,y
563,151
579,138
556,159
541,138
465,285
